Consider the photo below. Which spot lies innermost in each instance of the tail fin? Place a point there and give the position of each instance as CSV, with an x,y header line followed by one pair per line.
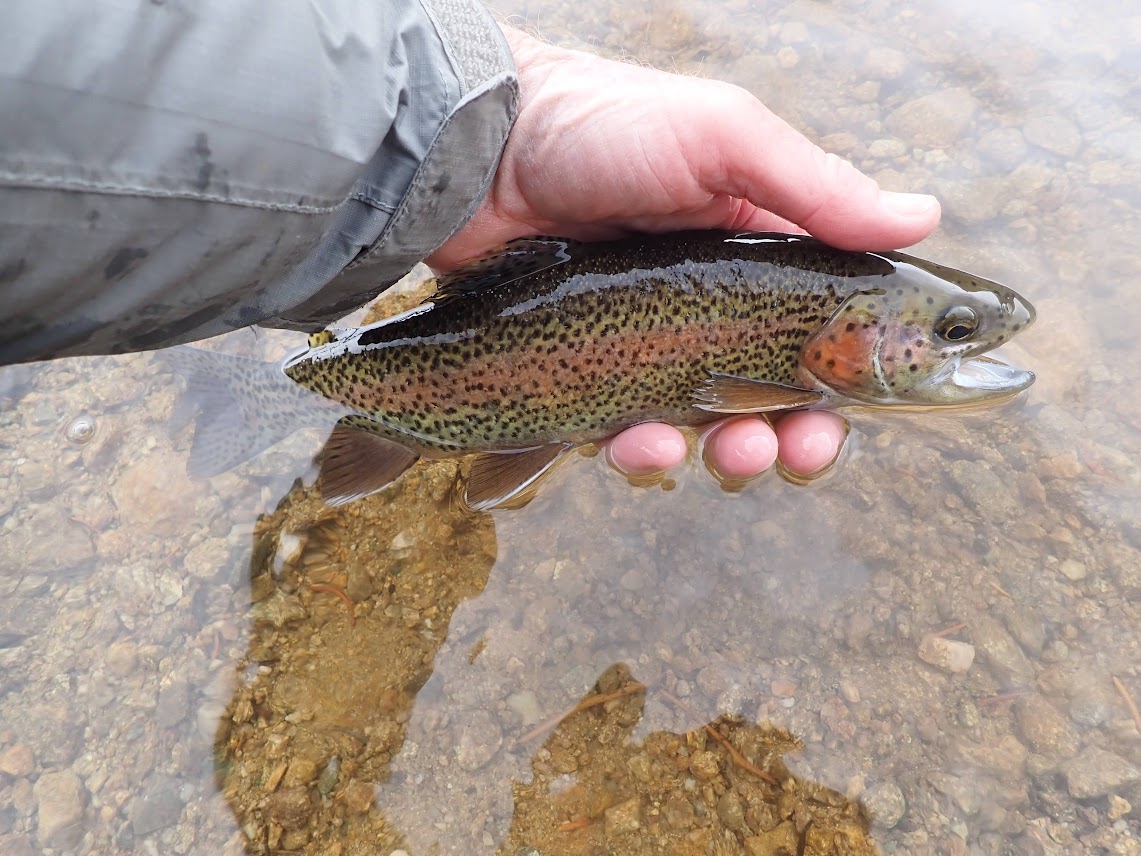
x,y
240,407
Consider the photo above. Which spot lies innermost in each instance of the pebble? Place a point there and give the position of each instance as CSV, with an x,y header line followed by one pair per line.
x,y
936,120
948,654
1056,134
882,63
155,495
1006,147
886,804
1074,570
776,842
783,688
1097,772
526,705
289,808
157,806
301,771
16,845
17,761
60,798
1118,807
1005,756
477,740
988,495
358,796
1000,651
678,812
624,817
122,658
1044,728
731,811
48,542
704,765
173,704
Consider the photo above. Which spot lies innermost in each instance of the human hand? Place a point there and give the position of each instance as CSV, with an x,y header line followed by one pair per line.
x,y
601,149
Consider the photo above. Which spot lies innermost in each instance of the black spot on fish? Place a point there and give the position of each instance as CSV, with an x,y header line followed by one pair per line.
x,y
851,325
914,367
930,301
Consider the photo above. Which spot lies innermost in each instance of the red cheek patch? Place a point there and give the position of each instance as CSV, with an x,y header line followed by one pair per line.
x,y
841,354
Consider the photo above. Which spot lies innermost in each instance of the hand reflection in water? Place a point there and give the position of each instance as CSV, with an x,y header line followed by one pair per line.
x,y
603,148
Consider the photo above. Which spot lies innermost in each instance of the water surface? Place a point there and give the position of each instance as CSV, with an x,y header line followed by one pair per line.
x,y
178,673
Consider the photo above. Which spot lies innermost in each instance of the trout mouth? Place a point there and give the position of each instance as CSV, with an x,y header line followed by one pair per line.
x,y
985,378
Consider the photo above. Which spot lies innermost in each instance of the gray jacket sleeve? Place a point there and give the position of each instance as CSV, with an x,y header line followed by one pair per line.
x,y
175,169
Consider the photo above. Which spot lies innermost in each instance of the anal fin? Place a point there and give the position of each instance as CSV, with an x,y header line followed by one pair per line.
x,y
496,478
723,393
356,463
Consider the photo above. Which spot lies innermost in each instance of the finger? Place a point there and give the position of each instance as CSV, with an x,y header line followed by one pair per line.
x,y
761,158
810,440
740,448
647,448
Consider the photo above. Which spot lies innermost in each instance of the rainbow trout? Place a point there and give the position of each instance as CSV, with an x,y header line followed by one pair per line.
x,y
549,344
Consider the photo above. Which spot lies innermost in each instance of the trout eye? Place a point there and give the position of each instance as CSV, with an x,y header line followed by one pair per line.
x,y
958,324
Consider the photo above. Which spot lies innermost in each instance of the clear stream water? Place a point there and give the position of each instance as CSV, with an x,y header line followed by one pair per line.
x,y
178,675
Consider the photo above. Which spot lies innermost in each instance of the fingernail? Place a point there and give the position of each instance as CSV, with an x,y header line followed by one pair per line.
x,y
908,204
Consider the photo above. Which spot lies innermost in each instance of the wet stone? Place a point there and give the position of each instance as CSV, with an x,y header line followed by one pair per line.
x,y
48,542
1006,147
1056,134
988,495
16,845
935,120
886,805
882,63
156,807
1044,728
289,808
358,796
1001,652
155,495
301,771
60,798
776,842
173,704
948,654
731,810
1096,772
1027,628
678,812
704,765
624,817
17,761
478,740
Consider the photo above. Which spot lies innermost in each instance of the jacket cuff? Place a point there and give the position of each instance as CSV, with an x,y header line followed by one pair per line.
x,y
403,208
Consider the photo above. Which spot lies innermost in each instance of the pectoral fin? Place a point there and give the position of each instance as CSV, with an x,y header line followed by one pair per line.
x,y
496,478
356,463
723,393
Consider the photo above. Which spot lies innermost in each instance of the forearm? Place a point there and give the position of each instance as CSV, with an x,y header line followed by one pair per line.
x,y
168,175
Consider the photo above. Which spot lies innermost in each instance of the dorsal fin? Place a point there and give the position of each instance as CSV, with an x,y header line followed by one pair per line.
x,y
507,263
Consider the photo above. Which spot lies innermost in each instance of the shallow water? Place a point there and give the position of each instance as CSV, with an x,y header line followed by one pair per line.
x,y
172,682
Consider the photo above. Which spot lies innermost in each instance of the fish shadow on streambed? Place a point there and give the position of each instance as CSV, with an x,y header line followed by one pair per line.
x,y
549,344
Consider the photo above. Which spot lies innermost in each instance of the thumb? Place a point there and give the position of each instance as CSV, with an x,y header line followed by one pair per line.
x,y
761,158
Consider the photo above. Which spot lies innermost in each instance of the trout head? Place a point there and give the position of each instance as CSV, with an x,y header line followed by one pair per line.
x,y
916,337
